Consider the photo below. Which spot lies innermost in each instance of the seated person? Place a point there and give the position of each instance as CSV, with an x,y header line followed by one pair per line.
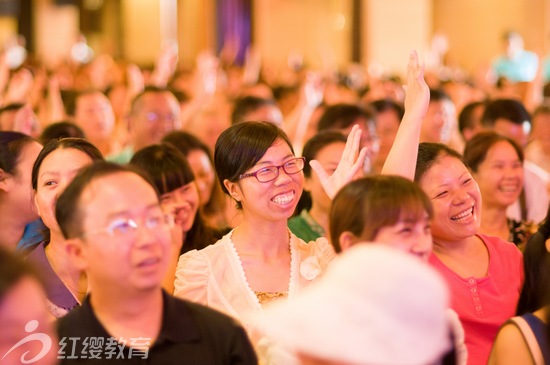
x,y
117,232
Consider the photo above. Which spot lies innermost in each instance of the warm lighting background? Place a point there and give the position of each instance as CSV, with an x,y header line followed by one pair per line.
x,y
388,29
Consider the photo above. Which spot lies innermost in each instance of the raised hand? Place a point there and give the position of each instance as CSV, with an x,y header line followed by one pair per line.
x,y
349,166
165,66
207,69
19,87
417,92
402,157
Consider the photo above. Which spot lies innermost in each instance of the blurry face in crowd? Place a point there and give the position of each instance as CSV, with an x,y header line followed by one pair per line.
x,y
387,124
517,132
500,175
20,187
267,113
204,174
436,126
157,114
183,203
95,116
369,139
329,157
56,172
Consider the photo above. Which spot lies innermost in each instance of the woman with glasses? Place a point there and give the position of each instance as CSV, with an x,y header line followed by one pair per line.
x,y
54,168
260,260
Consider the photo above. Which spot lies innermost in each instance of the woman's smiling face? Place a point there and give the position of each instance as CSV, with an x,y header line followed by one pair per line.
x,y
455,197
273,200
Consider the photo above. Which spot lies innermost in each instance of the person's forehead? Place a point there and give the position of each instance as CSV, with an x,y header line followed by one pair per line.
x,y
152,99
95,97
118,191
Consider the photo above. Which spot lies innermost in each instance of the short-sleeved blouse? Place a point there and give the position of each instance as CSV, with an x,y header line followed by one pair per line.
x,y
214,276
484,304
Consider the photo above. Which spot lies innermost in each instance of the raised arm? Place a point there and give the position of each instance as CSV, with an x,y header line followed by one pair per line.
x,y
348,167
402,157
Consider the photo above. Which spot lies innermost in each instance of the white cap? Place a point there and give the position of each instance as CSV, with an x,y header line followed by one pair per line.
x,y
374,305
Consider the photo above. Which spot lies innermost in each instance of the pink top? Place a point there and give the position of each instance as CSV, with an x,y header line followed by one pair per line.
x,y
484,304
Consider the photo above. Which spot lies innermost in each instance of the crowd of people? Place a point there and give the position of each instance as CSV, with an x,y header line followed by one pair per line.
x,y
223,216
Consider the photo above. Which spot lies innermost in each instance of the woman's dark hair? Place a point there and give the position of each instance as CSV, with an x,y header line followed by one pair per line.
x,y
429,153
382,105
509,109
466,116
12,270
342,116
536,265
61,130
167,166
477,148
64,143
11,146
186,143
241,146
365,205
169,170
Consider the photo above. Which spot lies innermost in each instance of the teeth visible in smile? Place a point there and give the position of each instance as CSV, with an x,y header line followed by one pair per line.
x,y
283,198
464,215
508,188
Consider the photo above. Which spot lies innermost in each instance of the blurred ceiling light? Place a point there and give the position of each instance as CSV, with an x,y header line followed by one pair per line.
x,y
339,21
92,5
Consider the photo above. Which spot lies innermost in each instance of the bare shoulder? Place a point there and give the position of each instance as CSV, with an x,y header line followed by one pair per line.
x,y
510,347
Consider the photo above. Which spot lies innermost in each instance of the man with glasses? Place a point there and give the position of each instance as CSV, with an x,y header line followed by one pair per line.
x,y
118,234
154,113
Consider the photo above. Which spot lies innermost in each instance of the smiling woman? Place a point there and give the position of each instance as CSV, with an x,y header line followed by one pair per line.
x,y
484,273
260,260
497,165
54,168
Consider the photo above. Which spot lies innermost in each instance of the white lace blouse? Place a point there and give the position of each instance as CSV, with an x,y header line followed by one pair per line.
x,y
214,276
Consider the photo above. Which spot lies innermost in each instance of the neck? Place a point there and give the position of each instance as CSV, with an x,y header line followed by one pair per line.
x,y
270,240
128,314
73,278
442,247
494,221
320,216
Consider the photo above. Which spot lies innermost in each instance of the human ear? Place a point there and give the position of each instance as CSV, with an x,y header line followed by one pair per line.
x,y
74,247
35,203
346,240
233,189
5,179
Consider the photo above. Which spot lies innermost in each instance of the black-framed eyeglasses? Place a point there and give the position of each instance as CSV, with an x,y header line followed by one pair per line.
x,y
269,173
127,227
